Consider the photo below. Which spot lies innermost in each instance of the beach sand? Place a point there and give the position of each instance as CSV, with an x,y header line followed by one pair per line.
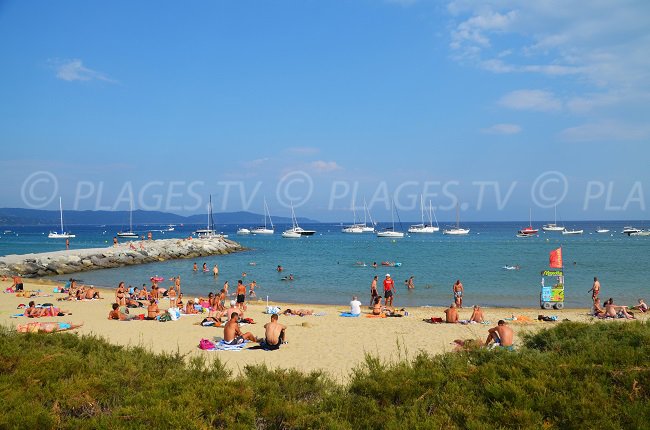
x,y
329,343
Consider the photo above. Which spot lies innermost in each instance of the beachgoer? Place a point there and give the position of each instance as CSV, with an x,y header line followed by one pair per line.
x,y
91,293
215,271
597,310
501,335
46,327
171,294
595,289
17,283
298,312
241,295
458,293
205,267
114,242
152,310
279,269
355,306
67,244
190,309
614,311
274,333
451,314
373,291
477,315
177,284
233,309
389,288
120,294
149,236
376,306
642,306
232,335
116,314
31,311
409,283
374,264
195,268
251,291
225,287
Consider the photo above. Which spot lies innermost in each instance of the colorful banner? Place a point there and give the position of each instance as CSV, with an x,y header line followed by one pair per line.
x,y
555,259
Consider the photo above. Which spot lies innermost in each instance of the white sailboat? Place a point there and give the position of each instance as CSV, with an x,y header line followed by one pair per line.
x,y
553,226
365,228
60,234
130,232
264,229
296,231
390,231
209,232
456,231
354,228
422,227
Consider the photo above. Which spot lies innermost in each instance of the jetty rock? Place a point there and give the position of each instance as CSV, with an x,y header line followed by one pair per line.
x,y
125,254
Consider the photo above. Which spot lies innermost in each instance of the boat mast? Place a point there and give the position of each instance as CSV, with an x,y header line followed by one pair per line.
x,y
422,209
61,212
131,216
434,215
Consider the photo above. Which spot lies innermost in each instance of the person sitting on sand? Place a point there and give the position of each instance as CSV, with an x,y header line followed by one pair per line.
x,y
232,335
451,314
355,306
298,312
642,306
46,327
190,309
376,307
233,309
274,333
143,294
116,314
598,311
92,293
152,310
614,311
477,315
31,311
120,294
501,335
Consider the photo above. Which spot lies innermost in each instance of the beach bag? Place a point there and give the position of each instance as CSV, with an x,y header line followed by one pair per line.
x,y
272,310
174,313
164,318
205,344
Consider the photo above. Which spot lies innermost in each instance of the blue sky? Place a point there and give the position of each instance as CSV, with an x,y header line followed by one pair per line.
x,y
501,106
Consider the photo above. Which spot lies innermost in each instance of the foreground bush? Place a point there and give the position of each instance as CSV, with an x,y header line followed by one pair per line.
x,y
571,376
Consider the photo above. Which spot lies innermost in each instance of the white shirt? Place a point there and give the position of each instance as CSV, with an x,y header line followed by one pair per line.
x,y
355,307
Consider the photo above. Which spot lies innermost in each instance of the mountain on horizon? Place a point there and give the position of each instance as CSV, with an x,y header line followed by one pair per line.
x,y
27,217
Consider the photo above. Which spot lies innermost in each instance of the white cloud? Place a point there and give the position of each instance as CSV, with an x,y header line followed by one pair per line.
x,y
605,131
502,129
535,100
321,166
74,70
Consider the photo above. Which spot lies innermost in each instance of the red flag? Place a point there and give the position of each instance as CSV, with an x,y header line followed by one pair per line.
x,y
555,259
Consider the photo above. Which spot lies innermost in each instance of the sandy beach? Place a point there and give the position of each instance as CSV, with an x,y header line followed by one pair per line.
x,y
329,342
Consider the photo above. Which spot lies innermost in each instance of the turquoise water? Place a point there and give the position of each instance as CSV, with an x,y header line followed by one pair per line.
x,y
325,271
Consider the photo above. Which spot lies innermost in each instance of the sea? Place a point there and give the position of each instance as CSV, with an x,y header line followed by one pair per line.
x,y
330,267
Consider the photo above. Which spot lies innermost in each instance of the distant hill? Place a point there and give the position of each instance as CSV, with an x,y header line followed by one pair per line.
x,y
21,216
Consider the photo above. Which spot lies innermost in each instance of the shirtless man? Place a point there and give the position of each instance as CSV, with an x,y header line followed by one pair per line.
x,y
143,294
232,335
373,291
115,314
477,315
501,335
233,309
595,289
17,284
611,310
31,311
458,293
120,295
275,333
152,310
451,314
251,291
91,293
241,295
215,271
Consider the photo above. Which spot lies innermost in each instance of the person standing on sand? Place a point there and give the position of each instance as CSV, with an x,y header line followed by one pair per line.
x,y
373,291
120,294
17,284
595,289
177,284
389,289
232,335
241,295
501,335
451,314
458,293
275,333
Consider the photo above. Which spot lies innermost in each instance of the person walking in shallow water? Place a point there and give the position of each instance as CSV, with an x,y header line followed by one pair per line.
x,y
595,289
458,293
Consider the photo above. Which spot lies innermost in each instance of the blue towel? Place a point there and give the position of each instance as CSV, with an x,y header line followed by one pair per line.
x,y
349,315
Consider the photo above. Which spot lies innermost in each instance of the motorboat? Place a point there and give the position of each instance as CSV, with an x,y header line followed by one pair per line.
x,y
290,234
422,227
60,234
208,232
630,230
569,231
243,230
390,232
295,228
641,233
602,230
553,226
130,232
456,231
264,229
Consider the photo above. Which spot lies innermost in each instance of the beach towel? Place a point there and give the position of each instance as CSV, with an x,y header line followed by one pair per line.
x,y
223,346
349,315
375,316
433,320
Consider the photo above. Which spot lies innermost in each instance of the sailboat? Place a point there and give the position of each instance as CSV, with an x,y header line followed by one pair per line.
x,y
422,227
390,231
130,232
264,229
553,226
354,228
296,231
365,228
456,231
62,234
528,231
209,232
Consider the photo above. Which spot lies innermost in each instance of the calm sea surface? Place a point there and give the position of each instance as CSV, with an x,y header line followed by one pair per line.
x,y
325,269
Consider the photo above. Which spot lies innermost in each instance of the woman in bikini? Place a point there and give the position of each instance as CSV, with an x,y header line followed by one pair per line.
x,y
120,294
